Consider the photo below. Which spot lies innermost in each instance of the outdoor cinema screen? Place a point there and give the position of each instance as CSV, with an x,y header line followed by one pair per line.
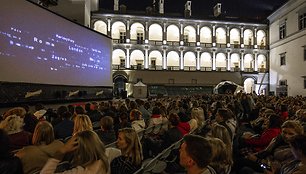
x,y
40,47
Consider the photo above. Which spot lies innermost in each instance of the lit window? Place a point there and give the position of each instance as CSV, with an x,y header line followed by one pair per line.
x,y
282,30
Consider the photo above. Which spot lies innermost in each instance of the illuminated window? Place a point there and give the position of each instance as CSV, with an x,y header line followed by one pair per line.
x,y
282,30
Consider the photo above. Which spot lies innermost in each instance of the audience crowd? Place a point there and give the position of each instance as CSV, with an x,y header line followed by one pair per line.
x,y
219,134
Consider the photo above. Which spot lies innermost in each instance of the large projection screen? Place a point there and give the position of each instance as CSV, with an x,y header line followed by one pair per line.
x,y
40,47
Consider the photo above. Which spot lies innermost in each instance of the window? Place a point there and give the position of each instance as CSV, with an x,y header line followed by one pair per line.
x,y
282,30
139,38
153,63
304,82
282,82
282,59
185,39
122,62
122,37
302,21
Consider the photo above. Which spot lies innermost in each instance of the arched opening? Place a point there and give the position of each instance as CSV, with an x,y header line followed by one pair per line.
x,y
220,62
173,60
262,63
235,62
155,60
155,32
206,62
205,35
189,34
261,39
173,33
120,85
101,27
137,59
190,61
137,33
248,38
119,31
248,63
220,35
235,37
118,58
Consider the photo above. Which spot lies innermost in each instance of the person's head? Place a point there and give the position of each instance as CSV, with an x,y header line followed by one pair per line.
x,y
19,111
135,114
129,144
298,144
4,145
90,149
220,152
291,128
274,121
61,110
174,119
43,133
219,131
12,124
156,111
107,123
79,110
195,152
82,123
222,115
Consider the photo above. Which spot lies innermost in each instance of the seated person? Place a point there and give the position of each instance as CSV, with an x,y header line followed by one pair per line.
x,y
131,153
196,154
106,133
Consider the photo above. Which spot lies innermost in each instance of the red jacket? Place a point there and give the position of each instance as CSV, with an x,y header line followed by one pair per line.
x,y
261,142
183,127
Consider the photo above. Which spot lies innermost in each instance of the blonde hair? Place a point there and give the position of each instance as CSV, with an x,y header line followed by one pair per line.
x,y
219,131
19,111
293,124
12,124
221,156
81,123
90,149
43,133
134,148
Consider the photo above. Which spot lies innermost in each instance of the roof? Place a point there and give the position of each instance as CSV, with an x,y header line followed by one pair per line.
x,y
232,10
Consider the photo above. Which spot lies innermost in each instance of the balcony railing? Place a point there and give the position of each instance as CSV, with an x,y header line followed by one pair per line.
x,y
207,45
138,67
248,69
173,68
220,68
118,67
156,67
154,42
190,68
206,69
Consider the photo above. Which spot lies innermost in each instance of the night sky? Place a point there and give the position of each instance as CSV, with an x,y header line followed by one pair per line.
x,y
251,9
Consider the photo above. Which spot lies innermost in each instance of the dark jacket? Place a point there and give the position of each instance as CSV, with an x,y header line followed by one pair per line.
x,y
11,165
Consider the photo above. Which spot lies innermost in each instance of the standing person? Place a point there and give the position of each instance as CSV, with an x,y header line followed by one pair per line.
x,y
9,164
131,153
88,155
196,154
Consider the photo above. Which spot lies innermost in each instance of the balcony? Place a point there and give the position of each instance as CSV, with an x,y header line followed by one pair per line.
x,y
137,67
262,70
206,69
157,43
248,69
190,68
118,67
220,68
156,67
